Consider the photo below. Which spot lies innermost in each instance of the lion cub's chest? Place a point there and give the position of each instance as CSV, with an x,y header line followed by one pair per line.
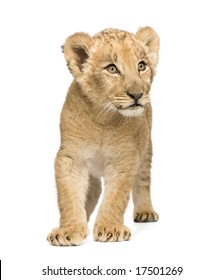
x,y
95,163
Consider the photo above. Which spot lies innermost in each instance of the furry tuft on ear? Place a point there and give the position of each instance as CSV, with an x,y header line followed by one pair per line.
x,y
76,51
151,40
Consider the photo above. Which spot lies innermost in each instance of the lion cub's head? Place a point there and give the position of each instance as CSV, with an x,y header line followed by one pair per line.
x,y
114,68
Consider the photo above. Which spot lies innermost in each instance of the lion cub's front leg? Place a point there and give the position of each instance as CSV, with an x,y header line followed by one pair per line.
x,y
72,183
119,178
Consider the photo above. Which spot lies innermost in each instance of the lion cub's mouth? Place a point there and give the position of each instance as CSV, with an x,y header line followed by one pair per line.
x,y
135,109
135,105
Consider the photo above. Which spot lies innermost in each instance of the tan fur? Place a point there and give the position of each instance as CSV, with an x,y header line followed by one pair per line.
x,y
102,135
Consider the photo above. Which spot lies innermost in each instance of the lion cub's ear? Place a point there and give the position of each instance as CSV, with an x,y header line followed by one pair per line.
x,y
76,51
151,40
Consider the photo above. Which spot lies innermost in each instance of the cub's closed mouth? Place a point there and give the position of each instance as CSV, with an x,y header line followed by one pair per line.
x,y
135,105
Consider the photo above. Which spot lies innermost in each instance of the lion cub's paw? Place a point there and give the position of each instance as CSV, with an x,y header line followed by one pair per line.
x,y
146,217
67,236
111,233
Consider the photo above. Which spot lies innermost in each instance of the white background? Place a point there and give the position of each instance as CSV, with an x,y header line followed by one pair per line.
x,y
187,135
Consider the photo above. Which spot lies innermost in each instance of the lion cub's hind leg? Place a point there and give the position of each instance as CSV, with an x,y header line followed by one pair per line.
x,y
93,195
143,209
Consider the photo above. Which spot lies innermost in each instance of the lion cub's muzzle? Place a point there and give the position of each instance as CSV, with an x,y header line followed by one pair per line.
x,y
135,106
135,97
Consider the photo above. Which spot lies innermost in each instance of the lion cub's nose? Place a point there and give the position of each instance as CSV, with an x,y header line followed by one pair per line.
x,y
135,96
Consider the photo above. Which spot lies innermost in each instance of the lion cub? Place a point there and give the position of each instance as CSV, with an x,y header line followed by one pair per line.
x,y
106,131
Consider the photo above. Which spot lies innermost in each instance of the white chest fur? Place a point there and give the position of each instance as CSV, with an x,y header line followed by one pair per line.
x,y
95,164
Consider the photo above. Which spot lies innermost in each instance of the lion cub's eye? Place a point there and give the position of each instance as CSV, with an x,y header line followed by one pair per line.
x,y
112,69
141,66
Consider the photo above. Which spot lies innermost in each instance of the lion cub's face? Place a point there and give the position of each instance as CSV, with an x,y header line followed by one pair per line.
x,y
114,68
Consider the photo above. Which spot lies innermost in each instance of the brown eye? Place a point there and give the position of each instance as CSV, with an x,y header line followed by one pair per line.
x,y
141,66
112,69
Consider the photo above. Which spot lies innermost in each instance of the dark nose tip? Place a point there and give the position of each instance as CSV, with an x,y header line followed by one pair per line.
x,y
135,96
